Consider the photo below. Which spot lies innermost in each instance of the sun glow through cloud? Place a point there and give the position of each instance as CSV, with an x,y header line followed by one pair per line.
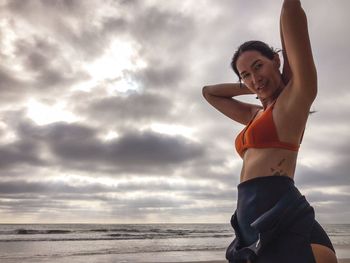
x,y
108,70
43,114
110,135
172,129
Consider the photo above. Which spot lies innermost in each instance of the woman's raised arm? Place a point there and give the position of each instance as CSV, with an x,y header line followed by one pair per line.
x,y
294,34
220,96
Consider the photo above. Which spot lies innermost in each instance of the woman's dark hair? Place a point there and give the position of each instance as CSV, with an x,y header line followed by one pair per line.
x,y
259,46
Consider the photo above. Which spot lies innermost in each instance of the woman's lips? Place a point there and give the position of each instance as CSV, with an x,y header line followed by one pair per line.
x,y
262,87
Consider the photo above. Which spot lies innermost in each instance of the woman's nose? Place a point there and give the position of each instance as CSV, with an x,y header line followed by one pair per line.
x,y
256,79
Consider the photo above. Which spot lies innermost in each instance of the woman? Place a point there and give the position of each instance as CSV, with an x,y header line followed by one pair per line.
x,y
273,222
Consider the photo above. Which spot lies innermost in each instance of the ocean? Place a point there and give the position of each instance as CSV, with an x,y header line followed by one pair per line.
x,y
128,243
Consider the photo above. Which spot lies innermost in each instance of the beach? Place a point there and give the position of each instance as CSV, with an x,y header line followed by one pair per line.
x,y
145,257
121,243
339,261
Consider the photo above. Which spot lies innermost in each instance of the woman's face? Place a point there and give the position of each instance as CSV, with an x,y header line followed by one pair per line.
x,y
259,73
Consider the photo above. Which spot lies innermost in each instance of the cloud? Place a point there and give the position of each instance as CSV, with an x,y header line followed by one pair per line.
x,y
19,153
76,146
135,108
132,152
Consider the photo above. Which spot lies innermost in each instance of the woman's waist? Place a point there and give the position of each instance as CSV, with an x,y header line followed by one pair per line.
x,y
268,162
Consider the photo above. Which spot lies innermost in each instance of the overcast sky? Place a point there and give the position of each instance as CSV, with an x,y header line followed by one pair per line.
x,y
102,119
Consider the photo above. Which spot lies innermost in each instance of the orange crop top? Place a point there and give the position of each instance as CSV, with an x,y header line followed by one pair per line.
x,y
261,133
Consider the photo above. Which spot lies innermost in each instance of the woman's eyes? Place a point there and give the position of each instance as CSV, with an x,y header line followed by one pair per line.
x,y
245,76
256,67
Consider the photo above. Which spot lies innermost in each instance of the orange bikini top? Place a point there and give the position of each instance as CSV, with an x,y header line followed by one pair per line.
x,y
261,133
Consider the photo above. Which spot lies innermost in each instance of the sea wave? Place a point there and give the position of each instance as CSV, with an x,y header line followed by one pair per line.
x,y
74,233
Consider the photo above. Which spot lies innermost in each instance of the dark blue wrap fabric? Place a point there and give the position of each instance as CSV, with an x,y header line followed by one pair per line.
x,y
272,223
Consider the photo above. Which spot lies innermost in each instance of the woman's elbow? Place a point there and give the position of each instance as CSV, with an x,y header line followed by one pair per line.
x,y
205,91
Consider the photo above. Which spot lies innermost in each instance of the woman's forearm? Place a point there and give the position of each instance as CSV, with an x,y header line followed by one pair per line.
x,y
227,90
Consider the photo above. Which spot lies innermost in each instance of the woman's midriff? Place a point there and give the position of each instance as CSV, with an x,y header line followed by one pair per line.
x,y
268,162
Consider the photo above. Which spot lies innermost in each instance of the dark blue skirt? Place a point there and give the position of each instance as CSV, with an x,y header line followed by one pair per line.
x,y
273,222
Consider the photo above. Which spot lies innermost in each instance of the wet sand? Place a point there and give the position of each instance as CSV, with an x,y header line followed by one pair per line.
x,y
343,260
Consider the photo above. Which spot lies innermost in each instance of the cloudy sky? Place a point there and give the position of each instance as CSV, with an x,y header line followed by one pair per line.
x,y
102,119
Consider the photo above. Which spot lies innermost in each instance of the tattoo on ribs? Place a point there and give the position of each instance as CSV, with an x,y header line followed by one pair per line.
x,y
278,171
281,162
